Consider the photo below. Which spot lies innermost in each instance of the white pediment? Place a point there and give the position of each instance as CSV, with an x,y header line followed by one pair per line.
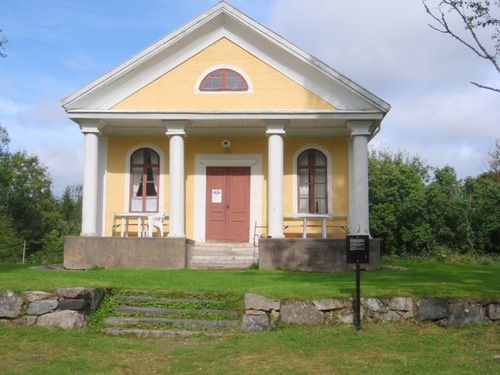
x,y
222,21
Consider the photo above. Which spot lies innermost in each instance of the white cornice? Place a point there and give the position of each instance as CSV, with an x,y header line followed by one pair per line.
x,y
209,115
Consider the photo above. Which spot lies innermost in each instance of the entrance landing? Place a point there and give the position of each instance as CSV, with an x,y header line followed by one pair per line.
x,y
223,255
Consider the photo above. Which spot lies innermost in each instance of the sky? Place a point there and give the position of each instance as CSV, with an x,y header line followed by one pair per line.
x,y
58,46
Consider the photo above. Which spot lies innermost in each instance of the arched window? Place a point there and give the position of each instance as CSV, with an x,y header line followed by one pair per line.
x,y
224,80
312,182
144,168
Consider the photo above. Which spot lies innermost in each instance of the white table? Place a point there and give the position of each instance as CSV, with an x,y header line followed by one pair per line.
x,y
307,216
141,218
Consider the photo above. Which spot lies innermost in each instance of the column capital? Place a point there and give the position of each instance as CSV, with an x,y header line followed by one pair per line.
x,y
276,127
360,127
89,126
175,127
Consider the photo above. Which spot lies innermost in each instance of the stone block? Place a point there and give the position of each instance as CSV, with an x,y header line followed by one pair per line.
x,y
373,304
10,304
329,304
43,306
300,313
401,304
346,316
78,292
73,304
256,302
432,309
67,319
254,323
493,311
392,316
460,314
34,295
255,312
95,298
27,319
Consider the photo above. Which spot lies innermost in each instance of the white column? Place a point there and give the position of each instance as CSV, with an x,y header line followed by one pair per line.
x,y
275,132
359,222
90,178
175,130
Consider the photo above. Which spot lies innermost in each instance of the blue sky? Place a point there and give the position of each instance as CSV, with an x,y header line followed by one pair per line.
x,y
57,46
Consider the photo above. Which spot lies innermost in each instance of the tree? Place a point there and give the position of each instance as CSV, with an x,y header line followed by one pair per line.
x,y
2,47
10,244
493,164
25,192
475,15
398,202
4,141
26,198
416,213
482,212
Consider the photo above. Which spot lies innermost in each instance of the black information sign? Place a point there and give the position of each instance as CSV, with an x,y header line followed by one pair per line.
x,y
358,249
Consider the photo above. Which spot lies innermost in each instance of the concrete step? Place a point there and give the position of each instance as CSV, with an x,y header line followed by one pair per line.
x,y
152,316
191,323
223,255
132,299
160,311
142,332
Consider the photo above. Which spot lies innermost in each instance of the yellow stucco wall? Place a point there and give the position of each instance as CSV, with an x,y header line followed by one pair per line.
x,y
175,89
116,199
119,148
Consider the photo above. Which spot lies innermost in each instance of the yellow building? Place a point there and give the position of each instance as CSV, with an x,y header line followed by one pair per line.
x,y
232,132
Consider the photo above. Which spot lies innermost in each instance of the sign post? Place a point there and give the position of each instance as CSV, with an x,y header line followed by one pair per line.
x,y
358,251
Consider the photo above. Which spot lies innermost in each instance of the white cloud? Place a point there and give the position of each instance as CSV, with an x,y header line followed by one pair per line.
x,y
83,62
388,47
64,163
9,107
44,112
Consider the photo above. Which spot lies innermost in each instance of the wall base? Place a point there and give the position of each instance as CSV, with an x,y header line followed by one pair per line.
x,y
125,252
314,255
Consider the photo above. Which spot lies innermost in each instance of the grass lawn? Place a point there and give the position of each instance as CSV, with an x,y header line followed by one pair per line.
x,y
327,349
420,280
376,349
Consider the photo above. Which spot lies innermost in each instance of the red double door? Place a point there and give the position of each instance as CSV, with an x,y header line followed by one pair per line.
x,y
228,204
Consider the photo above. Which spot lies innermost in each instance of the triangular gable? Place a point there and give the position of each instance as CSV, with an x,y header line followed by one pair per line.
x,y
177,89
139,74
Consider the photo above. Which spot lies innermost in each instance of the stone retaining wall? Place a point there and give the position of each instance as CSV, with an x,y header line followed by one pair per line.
x,y
262,313
71,307
64,307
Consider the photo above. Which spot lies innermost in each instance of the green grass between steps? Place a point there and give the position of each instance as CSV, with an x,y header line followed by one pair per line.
x,y
420,280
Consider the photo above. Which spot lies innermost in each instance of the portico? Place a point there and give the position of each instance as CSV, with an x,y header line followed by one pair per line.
x,y
227,127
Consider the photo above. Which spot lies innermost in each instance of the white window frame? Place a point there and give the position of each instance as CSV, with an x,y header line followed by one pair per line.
x,y
329,180
223,66
161,174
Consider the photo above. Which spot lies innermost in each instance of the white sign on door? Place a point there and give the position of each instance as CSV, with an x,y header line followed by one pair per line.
x,y
216,195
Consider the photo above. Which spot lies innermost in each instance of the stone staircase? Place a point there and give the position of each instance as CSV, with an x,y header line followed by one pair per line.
x,y
223,255
164,314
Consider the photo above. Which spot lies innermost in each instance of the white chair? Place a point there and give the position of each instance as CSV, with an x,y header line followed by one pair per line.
x,y
156,221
